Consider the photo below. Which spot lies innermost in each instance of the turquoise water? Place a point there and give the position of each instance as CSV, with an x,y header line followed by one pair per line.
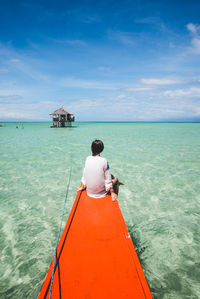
x,y
160,201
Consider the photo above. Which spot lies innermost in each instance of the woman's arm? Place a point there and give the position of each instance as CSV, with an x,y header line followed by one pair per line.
x,y
108,182
83,183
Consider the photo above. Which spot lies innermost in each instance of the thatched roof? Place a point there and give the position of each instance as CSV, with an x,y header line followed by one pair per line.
x,y
60,111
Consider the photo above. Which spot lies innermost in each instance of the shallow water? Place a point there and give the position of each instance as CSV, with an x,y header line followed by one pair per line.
x,y
160,201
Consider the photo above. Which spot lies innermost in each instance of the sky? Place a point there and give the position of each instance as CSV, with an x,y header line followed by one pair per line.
x,y
105,60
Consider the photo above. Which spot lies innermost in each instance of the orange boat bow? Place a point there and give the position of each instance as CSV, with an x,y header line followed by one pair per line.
x,y
96,258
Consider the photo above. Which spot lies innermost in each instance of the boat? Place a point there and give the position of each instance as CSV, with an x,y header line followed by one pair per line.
x,y
95,257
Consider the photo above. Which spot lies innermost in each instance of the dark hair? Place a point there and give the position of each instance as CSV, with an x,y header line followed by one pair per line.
x,y
97,147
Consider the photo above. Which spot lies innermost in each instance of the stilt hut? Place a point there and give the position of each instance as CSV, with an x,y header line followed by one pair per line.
x,y
62,118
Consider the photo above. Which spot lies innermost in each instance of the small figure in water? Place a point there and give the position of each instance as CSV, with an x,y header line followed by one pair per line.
x,y
96,175
16,127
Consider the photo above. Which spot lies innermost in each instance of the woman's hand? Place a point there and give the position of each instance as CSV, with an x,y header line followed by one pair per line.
x,y
114,196
82,187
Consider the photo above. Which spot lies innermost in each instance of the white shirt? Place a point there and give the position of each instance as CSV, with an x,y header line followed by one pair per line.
x,y
97,176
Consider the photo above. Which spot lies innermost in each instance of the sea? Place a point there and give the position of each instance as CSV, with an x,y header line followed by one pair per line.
x,y
159,164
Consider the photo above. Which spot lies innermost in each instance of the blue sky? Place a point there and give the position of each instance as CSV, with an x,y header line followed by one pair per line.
x,y
105,60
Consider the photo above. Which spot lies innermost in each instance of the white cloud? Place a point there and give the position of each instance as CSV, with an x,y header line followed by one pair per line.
x,y
192,92
148,20
29,68
14,60
159,81
4,70
104,69
164,106
171,45
121,96
195,42
22,63
11,91
139,89
76,42
81,83
91,19
87,103
71,42
10,98
27,111
196,45
122,37
192,28
14,111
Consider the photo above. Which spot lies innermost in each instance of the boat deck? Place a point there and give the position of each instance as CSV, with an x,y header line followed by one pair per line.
x,y
96,258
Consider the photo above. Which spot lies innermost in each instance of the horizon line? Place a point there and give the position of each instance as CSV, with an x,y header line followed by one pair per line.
x,y
106,121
